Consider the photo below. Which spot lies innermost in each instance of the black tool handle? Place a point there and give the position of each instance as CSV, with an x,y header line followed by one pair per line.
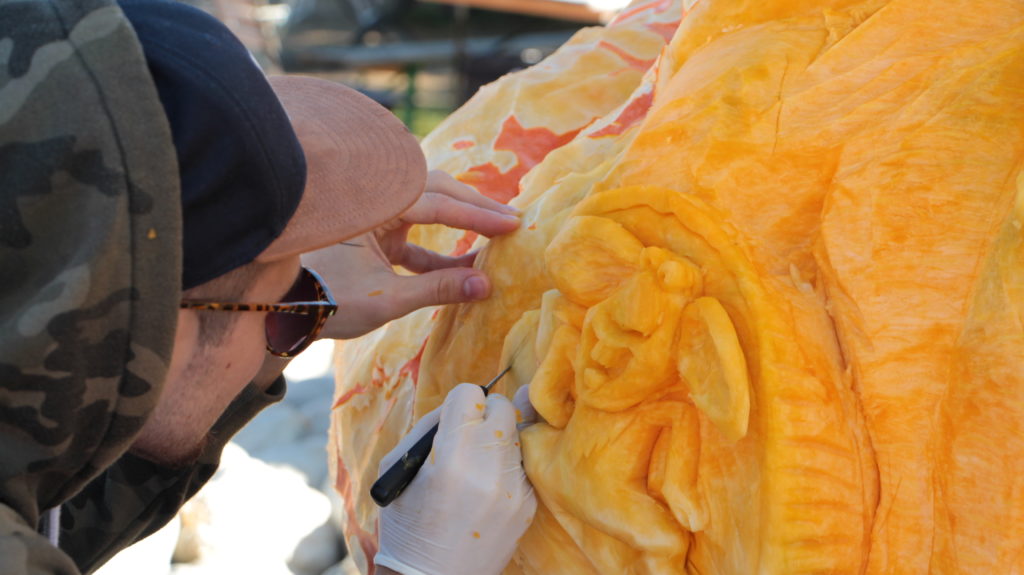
x,y
394,481
390,485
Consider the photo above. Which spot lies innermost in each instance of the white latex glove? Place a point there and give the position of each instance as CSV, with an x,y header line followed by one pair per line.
x,y
465,510
526,414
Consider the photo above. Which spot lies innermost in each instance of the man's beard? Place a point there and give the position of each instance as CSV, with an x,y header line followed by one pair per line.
x,y
190,457
175,461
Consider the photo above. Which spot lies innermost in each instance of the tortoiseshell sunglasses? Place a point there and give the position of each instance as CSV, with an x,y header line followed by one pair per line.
x,y
292,324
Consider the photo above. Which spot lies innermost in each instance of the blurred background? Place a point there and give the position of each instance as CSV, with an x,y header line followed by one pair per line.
x,y
420,58
271,509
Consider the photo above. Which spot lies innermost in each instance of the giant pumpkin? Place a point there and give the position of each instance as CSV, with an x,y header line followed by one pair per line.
x,y
768,295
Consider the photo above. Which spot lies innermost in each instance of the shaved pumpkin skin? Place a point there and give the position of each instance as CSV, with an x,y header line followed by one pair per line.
x,y
772,301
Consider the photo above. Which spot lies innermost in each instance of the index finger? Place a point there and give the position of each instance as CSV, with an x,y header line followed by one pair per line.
x,y
463,406
434,208
500,415
442,183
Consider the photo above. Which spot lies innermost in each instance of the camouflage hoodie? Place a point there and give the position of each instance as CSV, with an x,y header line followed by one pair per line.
x,y
90,269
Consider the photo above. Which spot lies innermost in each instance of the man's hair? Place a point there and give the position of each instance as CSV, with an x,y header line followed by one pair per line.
x,y
231,287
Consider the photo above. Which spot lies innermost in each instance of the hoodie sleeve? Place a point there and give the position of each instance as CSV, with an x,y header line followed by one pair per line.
x,y
135,497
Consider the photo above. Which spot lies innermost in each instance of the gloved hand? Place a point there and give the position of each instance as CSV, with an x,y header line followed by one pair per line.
x,y
526,414
470,502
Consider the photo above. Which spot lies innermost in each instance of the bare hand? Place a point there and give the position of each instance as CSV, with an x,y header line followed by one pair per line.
x,y
359,272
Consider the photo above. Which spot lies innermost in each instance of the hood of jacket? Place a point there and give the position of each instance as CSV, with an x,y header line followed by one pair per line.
x,y
90,246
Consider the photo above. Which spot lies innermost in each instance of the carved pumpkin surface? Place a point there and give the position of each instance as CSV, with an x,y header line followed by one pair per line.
x,y
769,294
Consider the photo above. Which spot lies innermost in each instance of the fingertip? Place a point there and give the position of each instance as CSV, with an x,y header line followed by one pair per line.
x,y
493,223
510,209
530,505
521,397
500,412
465,392
469,192
464,403
511,220
476,287
525,413
440,287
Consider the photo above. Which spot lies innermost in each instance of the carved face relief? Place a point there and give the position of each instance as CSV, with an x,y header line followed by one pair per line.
x,y
644,366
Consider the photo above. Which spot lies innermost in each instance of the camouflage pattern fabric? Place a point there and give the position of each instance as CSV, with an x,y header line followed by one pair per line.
x,y
90,252
135,497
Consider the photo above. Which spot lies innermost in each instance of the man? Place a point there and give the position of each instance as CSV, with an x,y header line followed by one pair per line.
x,y
159,197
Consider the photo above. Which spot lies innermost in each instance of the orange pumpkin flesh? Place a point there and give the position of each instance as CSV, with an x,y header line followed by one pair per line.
x,y
771,293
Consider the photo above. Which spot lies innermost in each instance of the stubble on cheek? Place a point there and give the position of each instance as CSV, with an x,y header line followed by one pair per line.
x,y
175,457
190,457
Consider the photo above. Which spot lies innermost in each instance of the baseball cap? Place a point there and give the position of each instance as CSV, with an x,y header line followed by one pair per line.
x,y
270,167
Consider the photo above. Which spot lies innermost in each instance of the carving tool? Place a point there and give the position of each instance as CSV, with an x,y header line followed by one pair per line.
x,y
391,484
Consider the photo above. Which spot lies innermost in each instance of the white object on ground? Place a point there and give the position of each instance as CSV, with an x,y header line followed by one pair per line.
x,y
279,424
307,456
258,515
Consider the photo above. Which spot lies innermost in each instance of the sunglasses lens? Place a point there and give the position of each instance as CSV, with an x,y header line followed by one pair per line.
x,y
287,332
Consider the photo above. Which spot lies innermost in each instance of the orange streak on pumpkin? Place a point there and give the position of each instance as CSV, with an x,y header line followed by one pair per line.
x,y
343,481
666,29
357,390
620,71
463,144
632,114
367,541
465,242
411,368
379,378
658,6
530,145
390,406
492,182
376,380
628,58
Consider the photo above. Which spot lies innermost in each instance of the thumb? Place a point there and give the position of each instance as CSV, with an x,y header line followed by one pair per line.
x,y
443,286
526,414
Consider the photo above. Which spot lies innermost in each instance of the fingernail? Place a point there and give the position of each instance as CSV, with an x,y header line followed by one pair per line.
x,y
511,218
510,209
474,287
